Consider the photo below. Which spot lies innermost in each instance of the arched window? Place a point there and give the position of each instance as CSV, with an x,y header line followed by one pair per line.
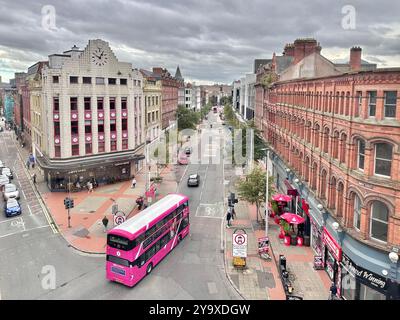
x,y
379,221
314,173
323,184
339,207
326,140
307,169
316,136
360,154
335,149
332,202
356,212
383,159
342,155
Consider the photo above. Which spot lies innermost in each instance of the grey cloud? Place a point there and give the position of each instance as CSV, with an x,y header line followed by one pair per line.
x,y
215,40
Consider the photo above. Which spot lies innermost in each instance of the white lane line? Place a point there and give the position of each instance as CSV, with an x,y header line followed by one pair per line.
x,y
25,230
0,294
30,211
23,193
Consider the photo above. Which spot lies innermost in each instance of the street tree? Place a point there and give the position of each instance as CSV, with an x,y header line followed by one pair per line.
x,y
252,188
187,119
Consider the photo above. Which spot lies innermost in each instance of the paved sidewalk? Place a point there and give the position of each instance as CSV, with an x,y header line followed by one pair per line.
x,y
87,231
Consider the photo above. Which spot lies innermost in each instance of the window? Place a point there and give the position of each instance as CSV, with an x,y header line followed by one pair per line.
x,y
74,103
86,102
56,128
368,293
73,79
113,145
390,104
101,146
371,103
88,148
123,103
100,126
358,103
88,126
152,101
379,221
124,124
112,103
361,154
55,79
75,149
113,125
357,212
348,285
100,104
74,127
383,159
125,144
56,104
86,80
123,82
99,80
112,81
57,151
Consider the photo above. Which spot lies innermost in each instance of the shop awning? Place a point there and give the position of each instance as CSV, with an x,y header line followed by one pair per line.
x,y
291,191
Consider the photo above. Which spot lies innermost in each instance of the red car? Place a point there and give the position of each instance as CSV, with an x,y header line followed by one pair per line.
x,y
183,159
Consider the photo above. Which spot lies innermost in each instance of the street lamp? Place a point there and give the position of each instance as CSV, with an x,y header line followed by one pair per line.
x,y
339,231
394,258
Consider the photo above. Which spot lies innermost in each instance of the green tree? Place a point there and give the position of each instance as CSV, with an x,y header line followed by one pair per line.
x,y
187,119
252,188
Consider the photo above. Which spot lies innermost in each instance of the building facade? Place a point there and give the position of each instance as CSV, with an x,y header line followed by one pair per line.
x,y
152,92
336,142
169,104
188,96
93,117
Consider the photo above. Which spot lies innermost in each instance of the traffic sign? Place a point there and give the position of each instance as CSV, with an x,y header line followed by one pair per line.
x,y
239,243
119,217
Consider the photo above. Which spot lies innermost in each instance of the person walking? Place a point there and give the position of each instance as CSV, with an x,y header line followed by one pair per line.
x,y
333,291
28,164
90,187
233,214
228,219
34,178
133,183
105,223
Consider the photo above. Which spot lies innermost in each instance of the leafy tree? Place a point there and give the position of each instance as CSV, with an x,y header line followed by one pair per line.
x,y
187,119
252,188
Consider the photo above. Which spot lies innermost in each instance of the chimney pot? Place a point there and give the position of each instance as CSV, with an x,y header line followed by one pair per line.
x,y
355,58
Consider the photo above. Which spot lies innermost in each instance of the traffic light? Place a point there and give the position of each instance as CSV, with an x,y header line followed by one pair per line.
x,y
68,203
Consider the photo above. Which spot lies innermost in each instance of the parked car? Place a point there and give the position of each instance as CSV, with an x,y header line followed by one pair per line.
x,y
12,208
10,191
3,180
188,150
7,172
193,180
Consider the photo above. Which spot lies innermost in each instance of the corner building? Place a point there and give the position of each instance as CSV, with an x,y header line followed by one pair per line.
x,y
93,119
335,137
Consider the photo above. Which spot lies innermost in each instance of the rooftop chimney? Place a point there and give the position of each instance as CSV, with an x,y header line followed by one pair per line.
x,y
289,50
355,58
157,70
304,47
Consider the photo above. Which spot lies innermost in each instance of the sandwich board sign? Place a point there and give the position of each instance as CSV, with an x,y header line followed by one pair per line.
x,y
239,248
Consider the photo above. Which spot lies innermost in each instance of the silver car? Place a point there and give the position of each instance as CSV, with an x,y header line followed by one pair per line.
x,y
3,180
10,191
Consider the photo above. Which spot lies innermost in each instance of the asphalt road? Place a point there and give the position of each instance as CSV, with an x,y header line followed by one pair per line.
x,y
194,270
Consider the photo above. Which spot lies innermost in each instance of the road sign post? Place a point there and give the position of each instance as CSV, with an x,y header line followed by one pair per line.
x,y
119,218
239,248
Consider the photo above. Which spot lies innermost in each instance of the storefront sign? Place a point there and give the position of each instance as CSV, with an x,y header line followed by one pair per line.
x,y
318,262
364,275
239,262
290,190
77,171
121,164
332,245
263,244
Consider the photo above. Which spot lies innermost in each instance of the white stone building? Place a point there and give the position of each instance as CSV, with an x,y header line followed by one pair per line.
x,y
94,117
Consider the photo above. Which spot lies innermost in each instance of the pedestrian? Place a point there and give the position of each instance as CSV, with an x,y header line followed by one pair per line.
x,y
34,178
228,219
105,223
333,291
134,182
28,164
89,186
233,214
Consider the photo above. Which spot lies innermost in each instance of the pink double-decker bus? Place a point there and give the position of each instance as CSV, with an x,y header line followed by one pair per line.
x,y
136,246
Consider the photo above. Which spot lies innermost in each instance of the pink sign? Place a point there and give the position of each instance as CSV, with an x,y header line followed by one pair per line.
x,y
331,243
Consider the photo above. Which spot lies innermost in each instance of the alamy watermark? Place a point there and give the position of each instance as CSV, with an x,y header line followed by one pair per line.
x,y
349,17
49,279
49,18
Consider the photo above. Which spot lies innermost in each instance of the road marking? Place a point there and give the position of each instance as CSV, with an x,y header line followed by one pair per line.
x,y
0,294
23,193
25,230
30,211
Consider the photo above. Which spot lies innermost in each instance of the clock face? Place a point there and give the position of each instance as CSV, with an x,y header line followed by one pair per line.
x,y
99,57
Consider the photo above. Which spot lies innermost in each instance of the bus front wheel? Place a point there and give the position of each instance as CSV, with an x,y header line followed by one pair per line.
x,y
149,268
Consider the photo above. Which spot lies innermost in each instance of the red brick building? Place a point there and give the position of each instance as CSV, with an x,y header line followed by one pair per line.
x,y
334,130
169,103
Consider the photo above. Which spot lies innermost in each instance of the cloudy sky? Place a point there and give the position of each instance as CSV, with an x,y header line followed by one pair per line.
x,y
211,40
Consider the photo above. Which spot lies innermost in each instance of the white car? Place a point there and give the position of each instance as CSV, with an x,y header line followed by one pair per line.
x,y
4,180
10,191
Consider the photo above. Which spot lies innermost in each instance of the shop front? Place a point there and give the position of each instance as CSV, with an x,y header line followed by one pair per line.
x,y
361,284
332,257
72,175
